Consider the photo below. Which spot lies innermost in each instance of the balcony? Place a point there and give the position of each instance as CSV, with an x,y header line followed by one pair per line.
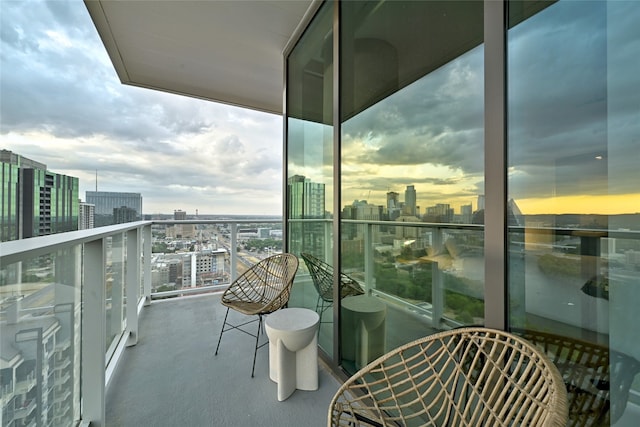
x,y
171,377
171,370
148,354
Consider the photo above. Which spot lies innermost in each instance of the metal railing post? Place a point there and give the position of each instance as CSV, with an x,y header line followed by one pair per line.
x,y
94,334
368,259
147,264
328,242
234,251
133,284
437,285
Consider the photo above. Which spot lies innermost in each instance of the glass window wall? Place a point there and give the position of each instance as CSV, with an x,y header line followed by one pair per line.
x,y
573,129
412,181
310,168
412,172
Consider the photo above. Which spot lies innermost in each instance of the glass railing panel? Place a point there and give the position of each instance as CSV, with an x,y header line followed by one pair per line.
x,y
573,176
111,297
313,285
115,290
40,323
567,288
192,256
416,280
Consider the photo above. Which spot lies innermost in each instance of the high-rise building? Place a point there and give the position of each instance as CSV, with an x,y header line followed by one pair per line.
x,y
307,198
179,215
124,214
35,201
466,213
9,201
105,202
441,212
393,205
86,216
481,202
410,200
307,202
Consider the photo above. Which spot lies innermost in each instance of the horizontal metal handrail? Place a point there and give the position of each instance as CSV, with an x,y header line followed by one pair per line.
x,y
16,250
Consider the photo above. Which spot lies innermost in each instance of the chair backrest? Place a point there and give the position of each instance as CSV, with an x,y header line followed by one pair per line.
x,y
591,373
266,286
322,277
463,377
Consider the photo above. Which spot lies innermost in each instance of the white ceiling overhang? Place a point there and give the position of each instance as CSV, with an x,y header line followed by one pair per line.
x,y
228,51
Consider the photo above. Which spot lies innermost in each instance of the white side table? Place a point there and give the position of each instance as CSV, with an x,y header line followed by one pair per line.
x,y
293,350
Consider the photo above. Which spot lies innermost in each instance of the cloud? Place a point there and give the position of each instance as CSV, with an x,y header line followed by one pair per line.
x,y
573,120
63,105
572,74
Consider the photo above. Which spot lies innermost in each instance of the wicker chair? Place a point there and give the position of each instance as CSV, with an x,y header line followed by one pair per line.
x,y
589,371
322,276
262,289
464,377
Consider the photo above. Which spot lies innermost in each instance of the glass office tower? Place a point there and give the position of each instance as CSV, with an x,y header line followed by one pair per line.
x,y
108,203
479,161
9,212
34,201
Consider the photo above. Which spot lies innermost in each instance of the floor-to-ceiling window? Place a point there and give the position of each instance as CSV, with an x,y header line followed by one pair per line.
x,y
412,175
310,162
573,129
412,171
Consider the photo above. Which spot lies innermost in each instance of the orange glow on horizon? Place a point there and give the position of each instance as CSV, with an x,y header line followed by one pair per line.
x,y
587,204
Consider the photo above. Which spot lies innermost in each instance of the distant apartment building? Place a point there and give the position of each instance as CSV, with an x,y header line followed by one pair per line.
x,y
179,215
189,269
307,201
410,200
181,231
86,215
466,213
481,202
105,202
35,201
124,214
441,212
247,234
394,208
203,267
307,198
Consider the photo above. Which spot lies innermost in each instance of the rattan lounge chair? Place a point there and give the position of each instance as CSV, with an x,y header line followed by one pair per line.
x,y
464,377
322,276
590,373
262,289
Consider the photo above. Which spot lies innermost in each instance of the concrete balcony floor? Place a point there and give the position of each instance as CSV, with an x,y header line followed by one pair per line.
x,y
172,378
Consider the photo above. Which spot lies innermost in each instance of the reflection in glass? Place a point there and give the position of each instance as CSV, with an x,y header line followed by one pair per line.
x,y
310,159
412,143
40,334
573,171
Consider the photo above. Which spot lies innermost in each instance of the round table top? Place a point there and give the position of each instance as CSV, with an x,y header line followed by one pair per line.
x,y
292,319
363,304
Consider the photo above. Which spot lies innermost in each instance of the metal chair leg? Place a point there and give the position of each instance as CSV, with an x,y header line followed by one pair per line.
x,y
222,331
253,368
320,304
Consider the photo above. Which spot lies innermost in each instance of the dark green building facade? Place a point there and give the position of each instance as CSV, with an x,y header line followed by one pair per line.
x,y
36,202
